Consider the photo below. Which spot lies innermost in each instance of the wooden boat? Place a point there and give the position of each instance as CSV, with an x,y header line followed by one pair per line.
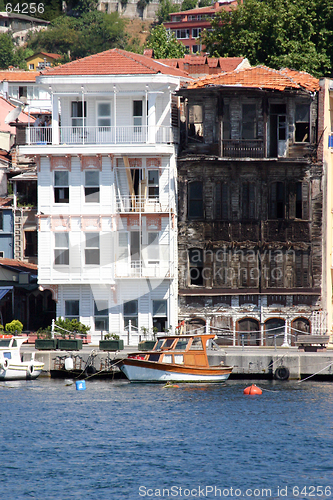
x,y
175,358
11,365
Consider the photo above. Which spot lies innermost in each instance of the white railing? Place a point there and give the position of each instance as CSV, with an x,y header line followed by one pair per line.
x,y
103,135
137,269
139,204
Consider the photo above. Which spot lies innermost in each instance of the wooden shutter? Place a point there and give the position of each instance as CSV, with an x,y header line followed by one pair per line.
x,y
292,200
305,201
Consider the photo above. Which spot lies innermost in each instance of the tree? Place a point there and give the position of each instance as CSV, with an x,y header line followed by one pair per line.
x,y
277,33
9,55
189,4
165,44
164,10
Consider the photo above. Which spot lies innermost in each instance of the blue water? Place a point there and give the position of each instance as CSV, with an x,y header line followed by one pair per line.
x,y
117,440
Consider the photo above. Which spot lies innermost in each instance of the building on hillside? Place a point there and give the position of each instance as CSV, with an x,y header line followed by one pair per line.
x,y
15,84
20,25
42,60
252,196
197,66
188,24
132,9
107,240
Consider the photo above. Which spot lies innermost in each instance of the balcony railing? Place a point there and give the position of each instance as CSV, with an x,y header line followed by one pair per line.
x,y
243,148
140,204
103,135
137,269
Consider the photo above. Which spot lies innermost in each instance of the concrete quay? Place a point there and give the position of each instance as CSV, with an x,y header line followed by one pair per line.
x,y
248,362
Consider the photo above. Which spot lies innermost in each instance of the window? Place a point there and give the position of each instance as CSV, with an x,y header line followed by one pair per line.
x,y
195,200
72,309
91,190
160,315
23,92
248,200
302,276
153,248
196,32
101,310
61,189
104,114
222,201
298,200
153,183
277,201
226,122
195,122
123,246
31,66
92,248
196,266
302,123
137,115
61,249
131,313
1,220
196,48
249,123
30,243
183,33
77,114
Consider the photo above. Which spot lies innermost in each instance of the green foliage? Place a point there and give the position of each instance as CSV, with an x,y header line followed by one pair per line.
x,y
189,4
295,34
73,326
165,8
204,3
9,54
165,44
111,336
14,326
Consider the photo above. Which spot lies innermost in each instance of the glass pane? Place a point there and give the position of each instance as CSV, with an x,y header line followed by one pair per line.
x,y
181,344
92,256
131,308
153,238
72,308
61,257
92,240
104,109
92,179
102,324
61,178
123,239
101,308
61,240
92,195
159,307
153,177
197,344
302,113
196,190
137,108
104,122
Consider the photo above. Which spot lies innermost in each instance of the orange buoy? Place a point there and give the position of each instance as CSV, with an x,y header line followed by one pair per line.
x,y
252,390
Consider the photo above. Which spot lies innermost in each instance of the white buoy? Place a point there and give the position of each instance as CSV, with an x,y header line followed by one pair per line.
x,y
69,364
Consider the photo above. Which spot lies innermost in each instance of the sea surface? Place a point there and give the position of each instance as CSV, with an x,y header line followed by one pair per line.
x,y
117,440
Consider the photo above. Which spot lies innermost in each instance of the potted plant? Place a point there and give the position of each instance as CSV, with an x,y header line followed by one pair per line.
x,y
44,341
15,327
111,342
147,345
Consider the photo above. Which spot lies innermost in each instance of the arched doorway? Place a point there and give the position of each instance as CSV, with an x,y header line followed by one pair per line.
x,y
195,324
248,331
300,326
274,327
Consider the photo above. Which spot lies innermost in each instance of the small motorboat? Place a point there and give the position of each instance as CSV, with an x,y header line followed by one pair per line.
x,y
12,366
175,358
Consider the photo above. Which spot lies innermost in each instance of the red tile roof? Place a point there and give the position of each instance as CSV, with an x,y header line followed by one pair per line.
x,y
261,77
204,64
18,75
114,62
18,264
49,54
6,202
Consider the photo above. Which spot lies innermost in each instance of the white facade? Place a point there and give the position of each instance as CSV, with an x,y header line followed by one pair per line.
x,y
107,242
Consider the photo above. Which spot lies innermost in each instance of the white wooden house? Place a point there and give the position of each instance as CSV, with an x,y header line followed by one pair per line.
x,y
107,241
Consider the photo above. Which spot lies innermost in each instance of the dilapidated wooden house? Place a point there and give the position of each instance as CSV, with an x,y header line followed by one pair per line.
x,y
250,215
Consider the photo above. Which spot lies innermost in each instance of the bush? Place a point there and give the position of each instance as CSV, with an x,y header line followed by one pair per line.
x,y
72,326
14,327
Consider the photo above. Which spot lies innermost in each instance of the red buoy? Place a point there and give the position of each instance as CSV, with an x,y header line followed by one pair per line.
x,y
253,389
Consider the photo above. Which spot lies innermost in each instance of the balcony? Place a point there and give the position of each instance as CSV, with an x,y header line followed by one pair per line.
x,y
129,204
138,269
243,148
102,135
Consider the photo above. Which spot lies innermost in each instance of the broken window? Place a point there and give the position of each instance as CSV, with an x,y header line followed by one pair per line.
x,y
195,200
302,275
248,200
195,122
249,121
302,123
277,201
30,243
196,266
298,200
222,201
226,127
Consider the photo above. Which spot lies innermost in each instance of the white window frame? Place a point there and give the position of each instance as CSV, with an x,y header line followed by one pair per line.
x,y
62,249
91,249
58,187
88,186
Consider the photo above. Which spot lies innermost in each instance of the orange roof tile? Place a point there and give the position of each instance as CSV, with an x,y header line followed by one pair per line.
x,y
18,75
185,64
49,54
114,62
6,202
261,77
19,264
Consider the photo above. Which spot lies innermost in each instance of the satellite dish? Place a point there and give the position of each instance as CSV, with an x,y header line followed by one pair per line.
x,y
14,114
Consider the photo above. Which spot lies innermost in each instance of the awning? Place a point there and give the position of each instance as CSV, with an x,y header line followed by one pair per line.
x,y
3,291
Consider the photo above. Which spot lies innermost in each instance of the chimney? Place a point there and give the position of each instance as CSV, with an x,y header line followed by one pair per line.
x,y
148,53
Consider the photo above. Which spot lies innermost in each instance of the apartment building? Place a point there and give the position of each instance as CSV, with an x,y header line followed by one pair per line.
x,y
253,207
107,240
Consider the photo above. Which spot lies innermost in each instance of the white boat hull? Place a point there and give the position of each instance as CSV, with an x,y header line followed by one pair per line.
x,y
22,371
143,374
